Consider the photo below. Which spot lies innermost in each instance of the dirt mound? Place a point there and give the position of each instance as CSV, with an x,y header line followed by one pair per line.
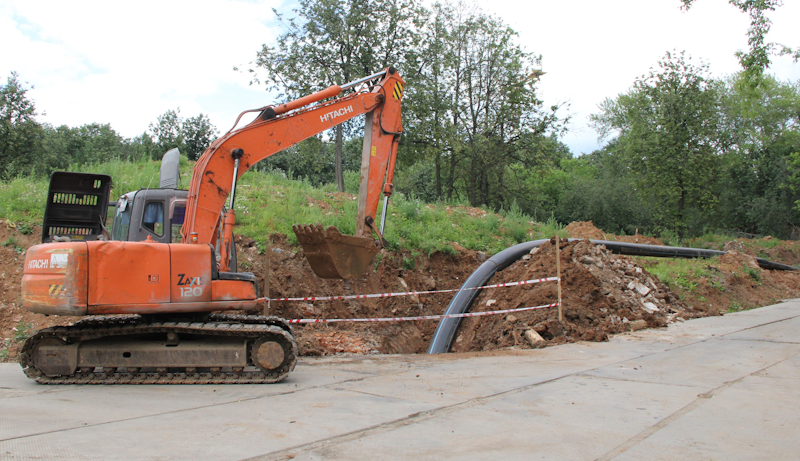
x,y
638,238
587,230
602,294
734,282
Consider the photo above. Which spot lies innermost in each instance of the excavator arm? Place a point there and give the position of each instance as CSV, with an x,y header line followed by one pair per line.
x,y
279,127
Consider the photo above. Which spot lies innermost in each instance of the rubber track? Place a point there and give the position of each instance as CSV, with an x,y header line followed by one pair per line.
x,y
245,326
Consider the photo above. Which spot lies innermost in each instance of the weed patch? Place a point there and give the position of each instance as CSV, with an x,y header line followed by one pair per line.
x,y
5,348
734,307
12,243
22,331
681,273
753,273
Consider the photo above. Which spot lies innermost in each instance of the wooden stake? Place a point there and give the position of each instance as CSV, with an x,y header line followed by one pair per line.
x,y
558,272
267,272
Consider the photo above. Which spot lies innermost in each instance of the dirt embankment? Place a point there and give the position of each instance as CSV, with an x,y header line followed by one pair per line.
x,y
603,294
291,276
587,230
728,283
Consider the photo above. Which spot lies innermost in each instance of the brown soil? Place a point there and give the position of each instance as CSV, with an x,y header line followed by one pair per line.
x,y
736,282
787,252
603,294
291,276
587,230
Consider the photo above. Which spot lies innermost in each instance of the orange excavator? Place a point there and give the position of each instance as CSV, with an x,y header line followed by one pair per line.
x,y
171,293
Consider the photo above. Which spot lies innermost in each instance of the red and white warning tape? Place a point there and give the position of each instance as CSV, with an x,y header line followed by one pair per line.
x,y
411,293
423,317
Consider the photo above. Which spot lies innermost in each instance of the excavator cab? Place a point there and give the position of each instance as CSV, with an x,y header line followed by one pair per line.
x,y
157,213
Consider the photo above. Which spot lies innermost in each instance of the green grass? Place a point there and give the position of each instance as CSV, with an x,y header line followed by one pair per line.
x,y
718,241
753,273
683,273
23,331
22,199
4,348
708,241
268,202
762,244
12,243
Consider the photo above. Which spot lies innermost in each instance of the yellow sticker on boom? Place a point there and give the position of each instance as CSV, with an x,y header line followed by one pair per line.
x,y
398,91
374,151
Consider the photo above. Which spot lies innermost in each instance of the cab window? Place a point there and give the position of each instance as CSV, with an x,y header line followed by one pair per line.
x,y
153,219
178,214
122,220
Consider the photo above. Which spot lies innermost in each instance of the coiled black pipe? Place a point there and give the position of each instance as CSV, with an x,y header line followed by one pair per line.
x,y
446,330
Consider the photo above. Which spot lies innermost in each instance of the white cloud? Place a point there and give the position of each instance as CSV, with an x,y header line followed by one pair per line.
x,y
127,63
593,50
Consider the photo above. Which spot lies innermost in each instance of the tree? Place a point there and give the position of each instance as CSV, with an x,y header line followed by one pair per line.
x,y
166,132
474,112
667,134
198,133
191,136
20,134
597,187
760,127
756,60
331,42
89,143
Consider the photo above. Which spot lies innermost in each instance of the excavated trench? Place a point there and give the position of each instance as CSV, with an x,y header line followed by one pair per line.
x,y
603,294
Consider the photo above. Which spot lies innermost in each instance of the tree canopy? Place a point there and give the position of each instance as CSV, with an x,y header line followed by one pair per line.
x,y
190,135
29,147
330,42
667,126
20,134
757,59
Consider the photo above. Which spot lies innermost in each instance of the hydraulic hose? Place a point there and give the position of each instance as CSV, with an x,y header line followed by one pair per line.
x,y
446,330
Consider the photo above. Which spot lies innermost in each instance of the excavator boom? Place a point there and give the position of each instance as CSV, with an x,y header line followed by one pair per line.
x,y
280,127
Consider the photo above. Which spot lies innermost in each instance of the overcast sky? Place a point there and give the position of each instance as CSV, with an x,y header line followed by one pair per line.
x,y
127,63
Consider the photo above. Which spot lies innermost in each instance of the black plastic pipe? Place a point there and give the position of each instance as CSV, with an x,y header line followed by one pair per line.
x,y
446,330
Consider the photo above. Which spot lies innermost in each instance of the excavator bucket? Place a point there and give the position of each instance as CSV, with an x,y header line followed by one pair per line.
x,y
333,255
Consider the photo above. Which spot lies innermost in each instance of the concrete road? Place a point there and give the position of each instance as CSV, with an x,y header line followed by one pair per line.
x,y
715,388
